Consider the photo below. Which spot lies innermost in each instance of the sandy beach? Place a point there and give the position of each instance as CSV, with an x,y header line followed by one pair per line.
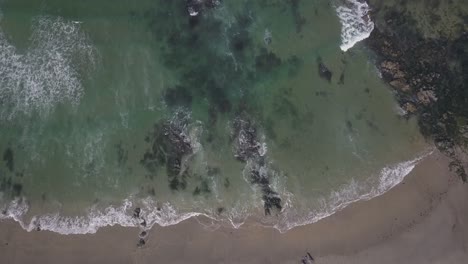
x,y
422,220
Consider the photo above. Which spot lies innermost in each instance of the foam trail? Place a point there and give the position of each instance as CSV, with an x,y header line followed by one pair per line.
x,y
167,214
47,72
352,192
121,215
356,24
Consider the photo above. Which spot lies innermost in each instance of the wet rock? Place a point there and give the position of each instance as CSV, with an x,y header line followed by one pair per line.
x,y
426,97
143,222
136,212
429,74
143,234
271,201
141,243
267,37
195,7
244,137
308,259
8,158
410,108
248,149
400,84
170,145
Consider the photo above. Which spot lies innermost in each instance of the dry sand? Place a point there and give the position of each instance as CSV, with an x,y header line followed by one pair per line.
x,y
422,220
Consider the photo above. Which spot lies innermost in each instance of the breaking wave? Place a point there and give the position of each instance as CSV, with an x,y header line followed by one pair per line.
x,y
351,192
166,214
48,72
356,24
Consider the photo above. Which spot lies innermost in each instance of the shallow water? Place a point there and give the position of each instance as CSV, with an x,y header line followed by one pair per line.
x,y
108,106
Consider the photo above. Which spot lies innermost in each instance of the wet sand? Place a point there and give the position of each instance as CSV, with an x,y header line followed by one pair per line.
x,y
422,220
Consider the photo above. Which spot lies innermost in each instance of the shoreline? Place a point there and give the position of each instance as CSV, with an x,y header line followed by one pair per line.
x,y
428,201
124,215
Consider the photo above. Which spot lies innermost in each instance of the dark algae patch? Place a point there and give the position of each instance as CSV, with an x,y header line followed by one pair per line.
x,y
8,158
428,74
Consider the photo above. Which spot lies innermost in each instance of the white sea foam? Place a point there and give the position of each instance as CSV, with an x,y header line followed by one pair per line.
x,y
46,73
167,214
122,215
352,192
356,24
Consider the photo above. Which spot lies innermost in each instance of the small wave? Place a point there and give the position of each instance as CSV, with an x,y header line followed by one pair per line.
x,y
47,72
356,24
167,214
122,215
350,193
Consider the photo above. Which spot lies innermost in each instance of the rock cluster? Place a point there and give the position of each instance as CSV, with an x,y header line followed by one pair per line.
x,y
429,77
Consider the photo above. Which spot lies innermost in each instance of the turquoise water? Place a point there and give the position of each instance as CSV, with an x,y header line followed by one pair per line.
x,y
248,109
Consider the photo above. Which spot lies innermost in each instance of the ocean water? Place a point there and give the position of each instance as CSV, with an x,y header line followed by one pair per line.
x,y
153,111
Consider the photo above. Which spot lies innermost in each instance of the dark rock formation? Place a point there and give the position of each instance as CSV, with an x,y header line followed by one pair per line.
x,y
429,77
170,143
248,149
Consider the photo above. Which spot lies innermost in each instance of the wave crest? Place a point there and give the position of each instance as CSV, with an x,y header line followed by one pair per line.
x,y
356,24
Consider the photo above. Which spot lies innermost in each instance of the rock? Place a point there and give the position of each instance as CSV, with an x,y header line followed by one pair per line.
x,y
141,242
426,97
143,223
308,259
248,149
400,84
267,37
194,7
244,136
136,212
409,108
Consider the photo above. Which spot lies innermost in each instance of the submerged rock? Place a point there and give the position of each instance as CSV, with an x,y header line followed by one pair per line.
x,y
195,7
267,37
248,149
170,144
323,71
8,158
136,212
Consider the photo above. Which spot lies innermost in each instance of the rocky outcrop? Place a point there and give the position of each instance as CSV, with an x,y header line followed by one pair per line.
x,y
429,77
248,149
